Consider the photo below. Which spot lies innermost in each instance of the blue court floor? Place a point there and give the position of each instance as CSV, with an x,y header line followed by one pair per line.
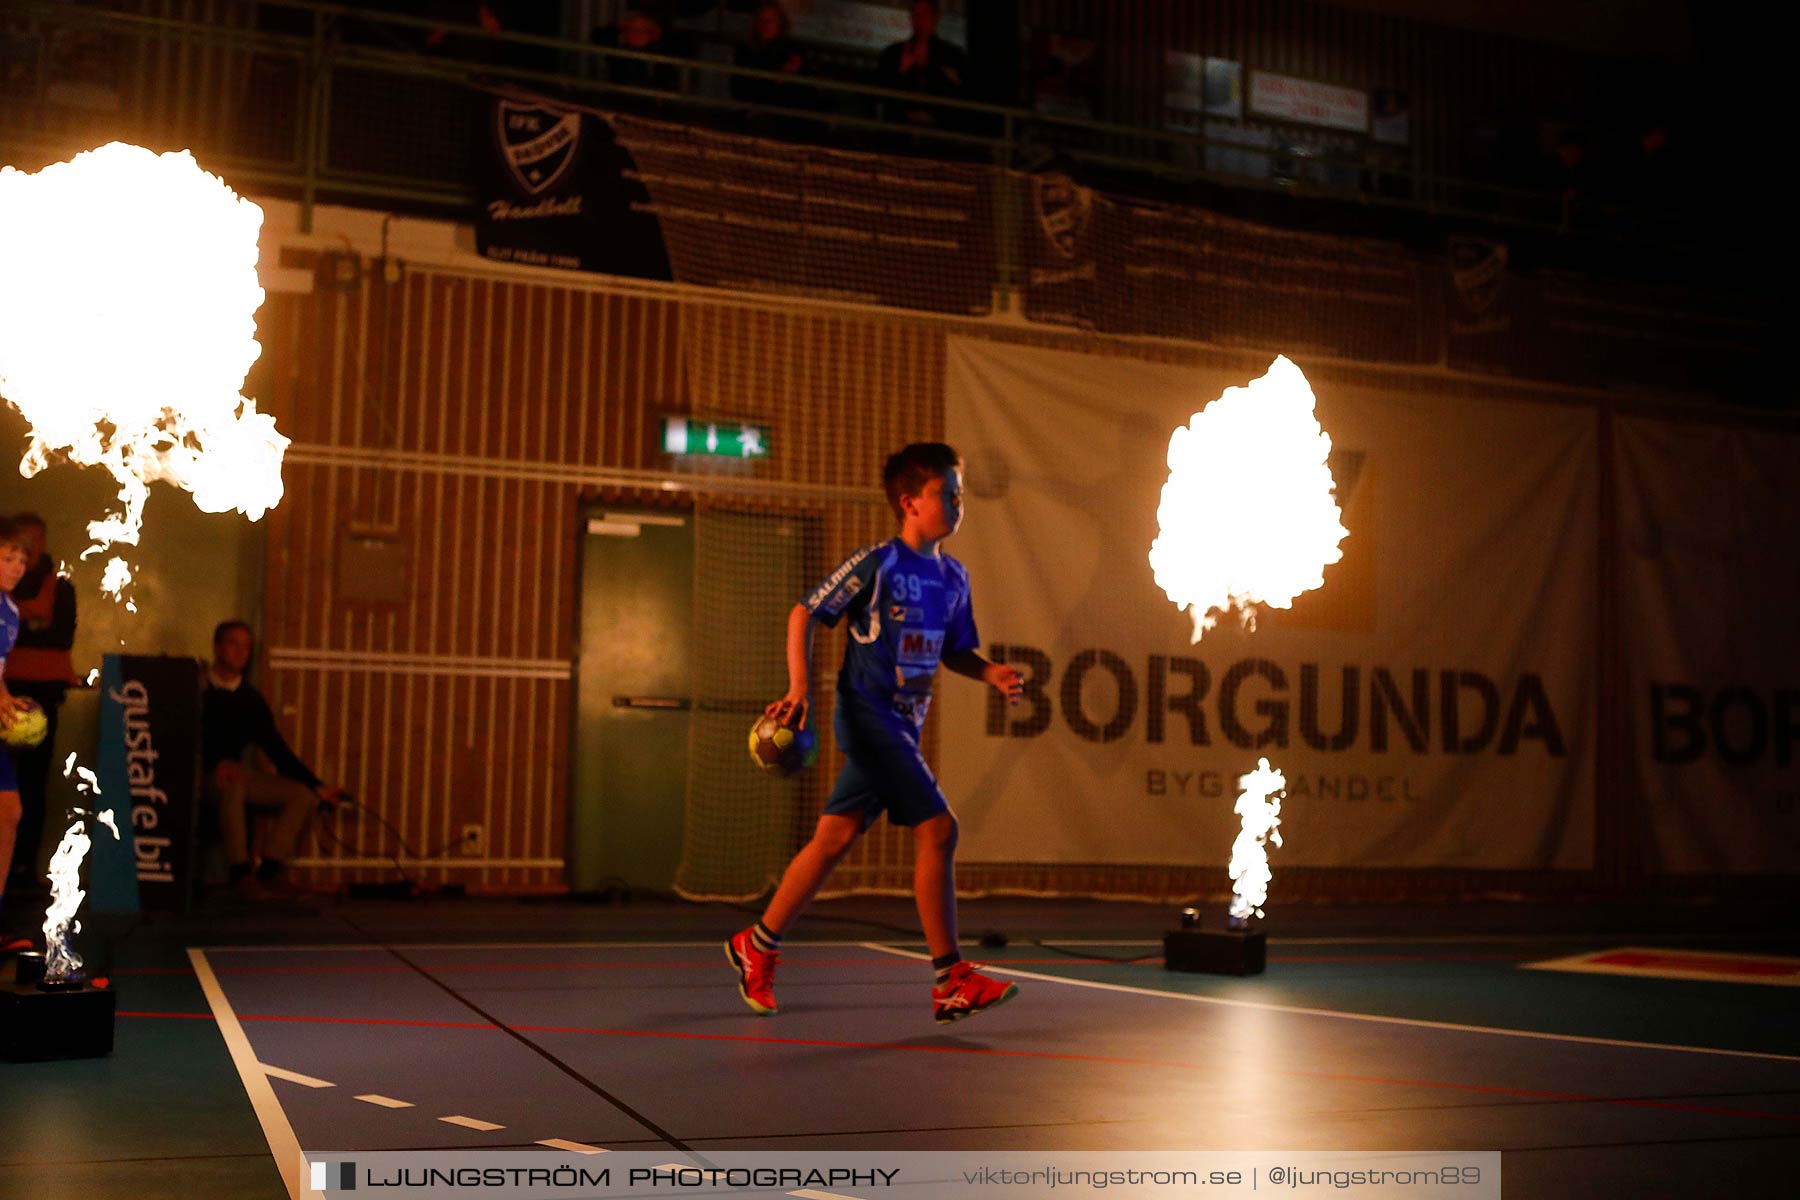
x,y
245,1038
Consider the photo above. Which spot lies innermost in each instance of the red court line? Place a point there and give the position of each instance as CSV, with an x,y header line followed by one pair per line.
x,y
171,1016
711,964
402,968
1390,958
1044,1055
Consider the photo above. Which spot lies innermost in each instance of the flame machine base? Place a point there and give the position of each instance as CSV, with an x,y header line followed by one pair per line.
x,y
1206,951
42,1022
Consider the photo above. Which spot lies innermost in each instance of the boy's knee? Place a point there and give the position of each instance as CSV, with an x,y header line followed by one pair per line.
x,y
835,837
939,833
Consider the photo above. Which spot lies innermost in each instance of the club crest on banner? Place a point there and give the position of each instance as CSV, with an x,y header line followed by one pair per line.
x,y
538,143
1478,271
1063,208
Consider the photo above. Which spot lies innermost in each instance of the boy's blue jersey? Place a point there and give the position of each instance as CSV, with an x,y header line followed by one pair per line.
x,y
905,612
9,629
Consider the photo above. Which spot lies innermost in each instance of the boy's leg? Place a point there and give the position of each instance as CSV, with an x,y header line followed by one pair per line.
x,y
10,943
9,829
934,886
809,870
755,952
33,769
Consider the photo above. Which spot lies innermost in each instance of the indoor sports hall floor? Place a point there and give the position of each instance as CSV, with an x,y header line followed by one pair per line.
x,y
244,1034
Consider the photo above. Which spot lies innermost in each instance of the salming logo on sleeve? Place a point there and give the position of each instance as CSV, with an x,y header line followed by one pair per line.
x,y
853,578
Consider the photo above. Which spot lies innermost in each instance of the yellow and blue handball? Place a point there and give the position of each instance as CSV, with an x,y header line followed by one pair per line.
x,y
27,727
781,749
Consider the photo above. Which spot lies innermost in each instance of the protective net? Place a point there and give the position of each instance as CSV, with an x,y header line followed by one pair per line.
x,y
741,822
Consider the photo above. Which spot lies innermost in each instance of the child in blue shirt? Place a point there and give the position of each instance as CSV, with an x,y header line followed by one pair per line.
x,y
907,608
13,564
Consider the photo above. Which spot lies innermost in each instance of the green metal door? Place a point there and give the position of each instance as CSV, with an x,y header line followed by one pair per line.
x,y
633,684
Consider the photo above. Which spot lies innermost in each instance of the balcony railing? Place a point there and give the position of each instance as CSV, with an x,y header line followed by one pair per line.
x,y
326,101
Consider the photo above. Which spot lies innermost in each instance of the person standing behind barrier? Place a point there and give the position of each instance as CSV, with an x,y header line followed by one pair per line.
x,y
233,718
924,63
39,668
642,28
770,47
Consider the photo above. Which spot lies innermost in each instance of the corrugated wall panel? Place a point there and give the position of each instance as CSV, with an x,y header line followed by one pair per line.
x,y
467,416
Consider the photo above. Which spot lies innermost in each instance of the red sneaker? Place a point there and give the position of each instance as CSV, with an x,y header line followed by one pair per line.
x,y
756,971
966,992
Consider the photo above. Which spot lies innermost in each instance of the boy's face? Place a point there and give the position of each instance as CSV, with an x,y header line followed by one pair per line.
x,y
938,509
13,561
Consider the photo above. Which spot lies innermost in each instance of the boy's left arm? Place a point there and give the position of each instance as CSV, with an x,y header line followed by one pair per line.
x,y
960,654
977,666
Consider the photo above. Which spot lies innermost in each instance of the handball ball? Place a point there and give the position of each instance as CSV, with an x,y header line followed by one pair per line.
x,y
28,726
781,749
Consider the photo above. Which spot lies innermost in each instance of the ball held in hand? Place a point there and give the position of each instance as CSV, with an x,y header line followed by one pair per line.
x,y
27,727
781,749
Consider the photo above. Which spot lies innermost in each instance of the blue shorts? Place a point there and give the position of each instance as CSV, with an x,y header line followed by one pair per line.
x,y
9,778
884,771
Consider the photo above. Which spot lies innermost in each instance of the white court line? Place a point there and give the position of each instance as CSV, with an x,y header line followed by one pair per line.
x,y
381,1101
808,1194
283,1145
471,1123
575,1147
294,1077
1001,969
1590,964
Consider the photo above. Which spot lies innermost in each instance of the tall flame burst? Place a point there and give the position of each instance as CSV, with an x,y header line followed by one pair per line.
x,y
60,961
1259,804
1248,514
128,295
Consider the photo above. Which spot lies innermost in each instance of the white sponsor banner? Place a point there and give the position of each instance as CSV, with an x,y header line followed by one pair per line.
x,y
1709,568
866,26
1308,102
1431,705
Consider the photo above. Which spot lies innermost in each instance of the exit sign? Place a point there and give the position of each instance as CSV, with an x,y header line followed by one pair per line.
x,y
714,439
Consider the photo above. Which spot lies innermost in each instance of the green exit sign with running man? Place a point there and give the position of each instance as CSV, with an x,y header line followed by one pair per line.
x,y
693,437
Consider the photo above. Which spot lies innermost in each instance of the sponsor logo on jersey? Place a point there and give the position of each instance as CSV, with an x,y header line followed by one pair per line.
x,y
912,707
903,613
921,647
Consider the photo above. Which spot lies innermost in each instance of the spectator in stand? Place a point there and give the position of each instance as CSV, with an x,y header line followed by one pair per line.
x,y
771,47
924,63
39,668
643,29
1573,182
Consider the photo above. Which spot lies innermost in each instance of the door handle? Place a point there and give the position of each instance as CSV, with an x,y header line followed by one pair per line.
x,y
670,703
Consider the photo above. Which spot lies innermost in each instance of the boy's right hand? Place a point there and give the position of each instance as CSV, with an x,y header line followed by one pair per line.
x,y
790,709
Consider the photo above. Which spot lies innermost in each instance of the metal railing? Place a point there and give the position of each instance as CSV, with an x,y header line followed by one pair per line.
x,y
325,100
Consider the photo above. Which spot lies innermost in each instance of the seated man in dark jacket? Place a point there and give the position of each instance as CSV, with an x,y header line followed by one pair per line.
x,y
235,717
